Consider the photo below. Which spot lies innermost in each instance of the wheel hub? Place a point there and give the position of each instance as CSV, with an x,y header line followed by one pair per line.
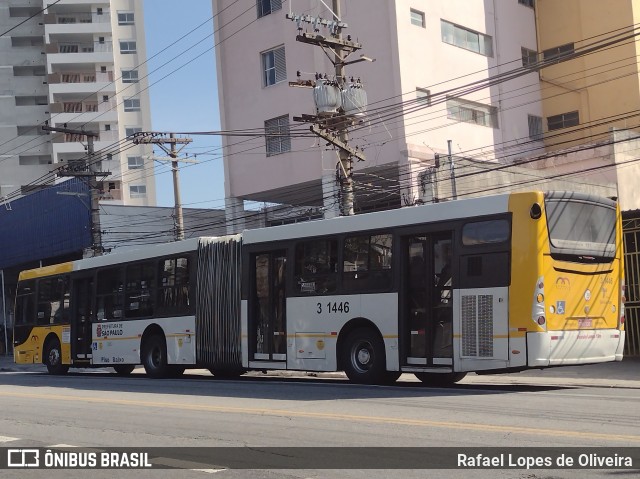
x,y
54,357
364,356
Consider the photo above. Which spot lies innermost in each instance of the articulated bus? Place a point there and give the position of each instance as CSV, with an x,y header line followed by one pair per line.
x,y
489,285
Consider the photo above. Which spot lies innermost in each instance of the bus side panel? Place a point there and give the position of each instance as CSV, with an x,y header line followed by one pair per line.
x,y
31,351
118,342
314,323
481,328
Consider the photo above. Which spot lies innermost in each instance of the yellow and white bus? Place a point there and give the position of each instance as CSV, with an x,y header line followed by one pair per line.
x,y
493,284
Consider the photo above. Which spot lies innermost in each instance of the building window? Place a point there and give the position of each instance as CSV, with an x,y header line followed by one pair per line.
x,y
274,66
132,130
417,18
472,112
468,39
137,191
557,52
277,135
129,76
535,127
128,47
528,3
135,162
565,120
529,57
132,104
125,18
265,7
423,96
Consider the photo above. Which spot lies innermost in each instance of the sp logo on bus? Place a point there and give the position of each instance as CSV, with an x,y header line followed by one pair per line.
x,y
563,283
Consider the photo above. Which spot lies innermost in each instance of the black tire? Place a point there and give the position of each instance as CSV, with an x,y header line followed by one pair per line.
x,y
124,369
53,358
363,357
154,357
227,373
437,379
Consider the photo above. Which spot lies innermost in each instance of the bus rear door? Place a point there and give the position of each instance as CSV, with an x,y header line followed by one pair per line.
x,y
426,324
267,308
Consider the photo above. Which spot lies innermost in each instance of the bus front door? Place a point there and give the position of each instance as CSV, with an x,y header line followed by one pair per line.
x,y
267,320
428,301
82,312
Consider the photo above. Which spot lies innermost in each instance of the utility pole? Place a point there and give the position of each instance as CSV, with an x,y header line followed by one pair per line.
x,y
452,171
172,151
89,169
333,129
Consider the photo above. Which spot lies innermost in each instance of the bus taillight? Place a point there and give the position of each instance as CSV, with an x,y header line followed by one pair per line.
x,y
538,308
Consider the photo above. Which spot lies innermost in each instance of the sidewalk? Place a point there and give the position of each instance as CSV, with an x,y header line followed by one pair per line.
x,y
624,374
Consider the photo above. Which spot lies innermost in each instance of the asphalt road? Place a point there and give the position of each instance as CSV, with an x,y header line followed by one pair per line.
x,y
98,410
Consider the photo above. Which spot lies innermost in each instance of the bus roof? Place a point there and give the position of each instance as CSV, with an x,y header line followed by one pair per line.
x,y
382,219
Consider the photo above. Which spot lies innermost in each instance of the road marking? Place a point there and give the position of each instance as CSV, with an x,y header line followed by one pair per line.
x,y
180,464
8,439
333,416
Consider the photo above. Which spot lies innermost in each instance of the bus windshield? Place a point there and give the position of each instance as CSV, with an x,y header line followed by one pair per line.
x,y
581,229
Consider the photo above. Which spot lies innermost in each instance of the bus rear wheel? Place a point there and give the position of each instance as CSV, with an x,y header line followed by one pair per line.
x,y
154,357
363,357
440,379
124,369
53,358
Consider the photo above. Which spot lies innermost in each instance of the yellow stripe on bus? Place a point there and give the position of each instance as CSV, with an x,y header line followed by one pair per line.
x,y
46,271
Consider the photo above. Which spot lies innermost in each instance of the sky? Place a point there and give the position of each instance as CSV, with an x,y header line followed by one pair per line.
x,y
187,99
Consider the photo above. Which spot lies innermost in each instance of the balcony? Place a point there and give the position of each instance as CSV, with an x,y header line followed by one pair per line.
x,y
80,77
85,52
73,111
106,136
69,23
81,83
76,18
88,47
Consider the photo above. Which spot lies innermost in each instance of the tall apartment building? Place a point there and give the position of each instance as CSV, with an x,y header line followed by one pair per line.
x,y
425,53
76,64
589,95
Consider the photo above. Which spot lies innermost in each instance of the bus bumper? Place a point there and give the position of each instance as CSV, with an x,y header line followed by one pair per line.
x,y
556,348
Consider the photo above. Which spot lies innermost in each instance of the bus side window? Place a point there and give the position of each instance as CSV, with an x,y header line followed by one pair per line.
x,y
53,300
25,303
316,267
110,291
140,290
367,262
173,292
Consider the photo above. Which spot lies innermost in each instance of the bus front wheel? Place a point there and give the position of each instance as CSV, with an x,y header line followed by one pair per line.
x,y
53,358
363,357
440,379
154,357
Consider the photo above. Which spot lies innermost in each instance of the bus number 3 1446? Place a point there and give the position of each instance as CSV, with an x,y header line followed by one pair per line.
x,y
334,307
